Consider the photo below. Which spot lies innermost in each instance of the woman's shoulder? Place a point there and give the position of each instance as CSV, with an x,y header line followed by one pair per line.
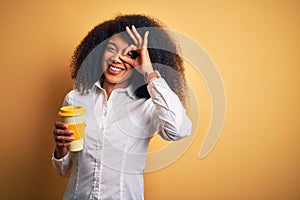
x,y
80,92
75,95
73,92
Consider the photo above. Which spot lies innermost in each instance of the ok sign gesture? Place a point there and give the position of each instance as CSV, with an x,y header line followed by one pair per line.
x,y
141,61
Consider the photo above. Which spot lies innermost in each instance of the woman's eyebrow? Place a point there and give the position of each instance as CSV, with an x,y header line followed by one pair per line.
x,y
112,43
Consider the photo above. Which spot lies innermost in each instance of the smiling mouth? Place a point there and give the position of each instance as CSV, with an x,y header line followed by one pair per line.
x,y
115,69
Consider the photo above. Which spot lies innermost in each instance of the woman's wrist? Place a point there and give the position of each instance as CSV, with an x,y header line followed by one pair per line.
x,y
60,152
150,76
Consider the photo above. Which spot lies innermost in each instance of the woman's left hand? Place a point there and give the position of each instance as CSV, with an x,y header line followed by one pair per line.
x,y
141,61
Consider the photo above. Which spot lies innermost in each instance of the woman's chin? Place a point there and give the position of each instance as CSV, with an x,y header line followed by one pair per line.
x,y
117,79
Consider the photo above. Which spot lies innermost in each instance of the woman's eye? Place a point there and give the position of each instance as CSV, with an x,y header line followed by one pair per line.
x,y
132,54
111,49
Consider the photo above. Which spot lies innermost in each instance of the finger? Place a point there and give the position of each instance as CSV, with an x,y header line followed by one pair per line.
x,y
63,144
63,132
62,139
145,42
61,125
131,35
138,36
130,48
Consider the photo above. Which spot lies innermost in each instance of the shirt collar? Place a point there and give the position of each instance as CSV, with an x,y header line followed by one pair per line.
x,y
129,89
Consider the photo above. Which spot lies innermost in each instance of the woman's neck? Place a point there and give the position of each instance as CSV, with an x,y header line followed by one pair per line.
x,y
109,87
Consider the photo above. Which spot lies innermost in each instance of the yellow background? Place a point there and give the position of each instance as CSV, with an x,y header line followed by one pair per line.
x,y
255,45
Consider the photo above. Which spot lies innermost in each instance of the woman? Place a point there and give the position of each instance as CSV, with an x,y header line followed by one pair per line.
x,y
123,70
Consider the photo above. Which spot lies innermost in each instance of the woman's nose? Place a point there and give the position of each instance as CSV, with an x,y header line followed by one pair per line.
x,y
116,58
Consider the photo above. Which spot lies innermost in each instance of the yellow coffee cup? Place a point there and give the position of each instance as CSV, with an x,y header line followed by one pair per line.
x,y
74,116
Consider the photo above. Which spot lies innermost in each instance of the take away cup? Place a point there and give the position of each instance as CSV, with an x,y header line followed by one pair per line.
x,y
74,116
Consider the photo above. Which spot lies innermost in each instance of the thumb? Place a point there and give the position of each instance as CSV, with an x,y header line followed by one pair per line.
x,y
127,60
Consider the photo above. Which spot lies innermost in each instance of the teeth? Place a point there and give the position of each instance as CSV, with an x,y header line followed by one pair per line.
x,y
115,69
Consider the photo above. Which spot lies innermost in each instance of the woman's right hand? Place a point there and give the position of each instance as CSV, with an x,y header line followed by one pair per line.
x,y
63,139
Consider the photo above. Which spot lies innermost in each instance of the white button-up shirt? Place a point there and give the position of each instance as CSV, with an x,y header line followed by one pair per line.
x,y
116,140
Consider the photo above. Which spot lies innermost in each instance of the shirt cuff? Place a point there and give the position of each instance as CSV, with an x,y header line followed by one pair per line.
x,y
156,85
61,164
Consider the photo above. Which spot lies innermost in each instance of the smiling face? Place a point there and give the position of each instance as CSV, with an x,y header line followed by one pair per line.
x,y
116,72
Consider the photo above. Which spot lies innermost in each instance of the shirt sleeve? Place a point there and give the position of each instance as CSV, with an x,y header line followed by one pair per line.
x,y
63,165
170,119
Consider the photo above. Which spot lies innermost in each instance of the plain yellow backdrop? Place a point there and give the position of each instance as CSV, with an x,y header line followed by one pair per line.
x,y
255,45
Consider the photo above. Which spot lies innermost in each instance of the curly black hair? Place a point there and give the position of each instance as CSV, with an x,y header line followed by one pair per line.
x,y
163,50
